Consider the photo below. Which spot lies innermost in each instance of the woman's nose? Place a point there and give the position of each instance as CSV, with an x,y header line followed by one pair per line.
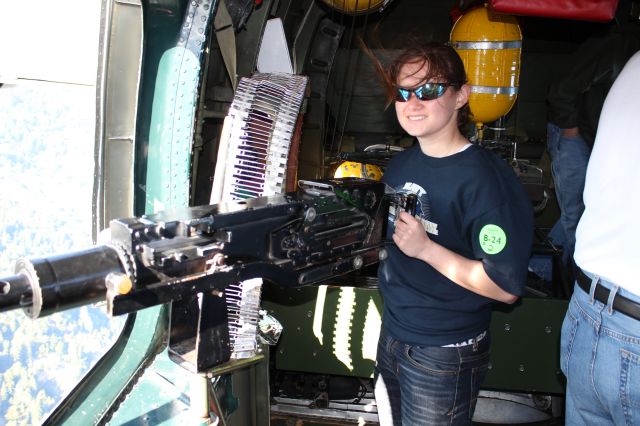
x,y
414,101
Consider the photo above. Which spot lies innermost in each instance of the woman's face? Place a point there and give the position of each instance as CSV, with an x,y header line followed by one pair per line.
x,y
425,119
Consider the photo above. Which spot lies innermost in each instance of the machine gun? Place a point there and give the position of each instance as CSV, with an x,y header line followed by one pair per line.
x,y
189,257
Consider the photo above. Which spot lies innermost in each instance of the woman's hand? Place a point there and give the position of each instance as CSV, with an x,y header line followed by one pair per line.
x,y
410,236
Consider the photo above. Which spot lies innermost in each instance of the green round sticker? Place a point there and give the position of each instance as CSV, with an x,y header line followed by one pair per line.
x,y
492,239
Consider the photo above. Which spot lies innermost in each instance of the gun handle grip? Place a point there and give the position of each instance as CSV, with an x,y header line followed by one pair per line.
x,y
411,203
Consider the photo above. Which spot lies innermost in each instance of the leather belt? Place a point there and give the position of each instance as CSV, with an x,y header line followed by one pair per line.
x,y
620,303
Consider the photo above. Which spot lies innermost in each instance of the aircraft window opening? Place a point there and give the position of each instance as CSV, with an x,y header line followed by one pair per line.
x,y
46,177
46,152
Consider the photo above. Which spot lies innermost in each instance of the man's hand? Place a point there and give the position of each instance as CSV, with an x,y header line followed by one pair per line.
x,y
410,236
571,132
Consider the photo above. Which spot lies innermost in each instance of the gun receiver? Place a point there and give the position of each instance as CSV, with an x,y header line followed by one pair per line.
x,y
187,257
324,230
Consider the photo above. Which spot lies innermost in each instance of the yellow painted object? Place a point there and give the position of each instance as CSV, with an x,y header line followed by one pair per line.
x,y
359,170
489,44
355,7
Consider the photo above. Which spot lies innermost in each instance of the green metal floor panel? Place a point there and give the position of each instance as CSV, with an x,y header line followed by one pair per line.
x,y
327,330
334,331
525,354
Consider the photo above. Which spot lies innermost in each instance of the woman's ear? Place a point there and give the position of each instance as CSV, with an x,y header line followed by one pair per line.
x,y
462,96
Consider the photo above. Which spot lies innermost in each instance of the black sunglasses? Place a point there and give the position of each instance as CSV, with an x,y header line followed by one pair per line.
x,y
425,92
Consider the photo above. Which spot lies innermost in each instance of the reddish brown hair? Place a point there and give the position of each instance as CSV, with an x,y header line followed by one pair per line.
x,y
444,66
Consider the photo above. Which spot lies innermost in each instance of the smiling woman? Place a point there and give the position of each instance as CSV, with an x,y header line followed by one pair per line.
x,y
450,259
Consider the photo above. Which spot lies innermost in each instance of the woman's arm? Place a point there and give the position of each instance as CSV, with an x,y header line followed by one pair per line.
x,y
413,241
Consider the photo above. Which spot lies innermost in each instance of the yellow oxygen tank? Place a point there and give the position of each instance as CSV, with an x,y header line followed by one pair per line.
x,y
356,7
489,44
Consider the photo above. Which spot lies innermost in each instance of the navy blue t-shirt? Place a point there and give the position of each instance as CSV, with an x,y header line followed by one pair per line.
x,y
473,204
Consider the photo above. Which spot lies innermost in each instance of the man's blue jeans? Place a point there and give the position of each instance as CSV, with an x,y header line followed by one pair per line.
x,y
569,158
600,356
425,385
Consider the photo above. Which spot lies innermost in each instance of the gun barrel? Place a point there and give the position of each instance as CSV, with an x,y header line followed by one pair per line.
x,y
56,283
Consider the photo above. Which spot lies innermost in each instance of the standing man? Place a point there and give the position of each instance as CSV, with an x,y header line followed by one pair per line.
x,y
574,104
600,344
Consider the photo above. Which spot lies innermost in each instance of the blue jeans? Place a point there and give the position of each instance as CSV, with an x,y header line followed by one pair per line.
x,y
428,385
569,158
600,356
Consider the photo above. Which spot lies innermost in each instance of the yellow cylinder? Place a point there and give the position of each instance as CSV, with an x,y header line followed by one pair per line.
x,y
489,44
356,7
358,170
